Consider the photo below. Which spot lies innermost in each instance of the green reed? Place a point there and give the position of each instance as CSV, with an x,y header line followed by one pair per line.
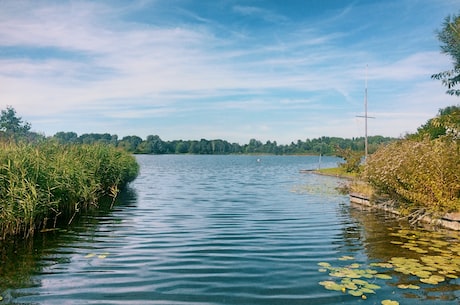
x,y
41,183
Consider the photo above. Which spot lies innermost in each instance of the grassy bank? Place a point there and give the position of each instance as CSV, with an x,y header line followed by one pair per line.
x,y
43,183
337,172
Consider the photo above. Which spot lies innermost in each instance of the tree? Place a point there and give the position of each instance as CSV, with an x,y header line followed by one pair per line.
x,y
12,126
66,137
130,143
446,123
352,159
449,36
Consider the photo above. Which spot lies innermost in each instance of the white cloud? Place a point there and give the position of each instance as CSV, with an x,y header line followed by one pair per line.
x,y
96,61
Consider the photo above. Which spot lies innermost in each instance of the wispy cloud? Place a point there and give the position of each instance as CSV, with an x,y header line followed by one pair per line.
x,y
257,12
67,62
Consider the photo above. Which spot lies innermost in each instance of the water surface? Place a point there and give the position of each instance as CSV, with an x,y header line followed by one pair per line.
x,y
215,230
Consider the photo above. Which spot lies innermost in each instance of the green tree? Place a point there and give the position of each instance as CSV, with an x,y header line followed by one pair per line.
x,y
446,123
352,159
11,124
130,143
66,137
449,36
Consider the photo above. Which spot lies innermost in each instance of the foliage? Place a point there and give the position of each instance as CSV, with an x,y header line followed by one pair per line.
x,y
337,171
44,181
153,144
12,126
449,36
352,159
445,124
421,175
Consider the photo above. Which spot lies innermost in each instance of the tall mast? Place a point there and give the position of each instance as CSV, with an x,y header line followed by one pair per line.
x,y
365,116
365,119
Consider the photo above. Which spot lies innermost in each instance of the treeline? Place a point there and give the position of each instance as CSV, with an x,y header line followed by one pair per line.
x,y
153,144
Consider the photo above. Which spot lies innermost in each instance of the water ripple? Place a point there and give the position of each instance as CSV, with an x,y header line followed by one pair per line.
x,y
224,230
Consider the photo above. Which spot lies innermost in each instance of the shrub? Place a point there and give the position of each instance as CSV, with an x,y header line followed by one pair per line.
x,y
421,175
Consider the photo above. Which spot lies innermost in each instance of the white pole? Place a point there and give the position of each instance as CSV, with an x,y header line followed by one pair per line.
x,y
365,119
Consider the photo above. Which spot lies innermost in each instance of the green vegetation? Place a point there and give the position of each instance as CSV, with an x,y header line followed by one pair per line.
x,y
420,175
338,172
43,181
153,144
422,172
449,36
425,259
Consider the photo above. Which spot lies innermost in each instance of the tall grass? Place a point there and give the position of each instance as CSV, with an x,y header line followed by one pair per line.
x,y
41,183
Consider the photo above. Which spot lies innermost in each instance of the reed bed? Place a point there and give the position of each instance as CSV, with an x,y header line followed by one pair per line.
x,y
43,183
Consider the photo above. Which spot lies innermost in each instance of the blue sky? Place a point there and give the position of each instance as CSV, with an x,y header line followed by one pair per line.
x,y
223,69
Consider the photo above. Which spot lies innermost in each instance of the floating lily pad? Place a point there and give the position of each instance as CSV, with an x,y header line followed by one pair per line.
x,y
350,285
367,290
331,285
355,293
360,282
390,302
383,276
434,279
410,286
354,266
382,265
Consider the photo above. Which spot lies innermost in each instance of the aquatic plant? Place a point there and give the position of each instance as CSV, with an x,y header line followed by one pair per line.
x,y
432,258
40,183
351,279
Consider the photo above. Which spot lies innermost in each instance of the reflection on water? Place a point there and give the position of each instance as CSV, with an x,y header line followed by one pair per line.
x,y
222,230
23,259
424,263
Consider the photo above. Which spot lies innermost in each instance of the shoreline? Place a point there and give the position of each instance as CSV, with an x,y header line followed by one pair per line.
x,y
449,221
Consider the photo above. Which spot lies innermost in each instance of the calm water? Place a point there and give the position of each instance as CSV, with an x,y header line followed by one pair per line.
x,y
215,230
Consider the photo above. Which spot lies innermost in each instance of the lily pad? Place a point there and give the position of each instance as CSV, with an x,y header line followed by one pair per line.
x,y
390,302
383,276
409,286
355,293
331,285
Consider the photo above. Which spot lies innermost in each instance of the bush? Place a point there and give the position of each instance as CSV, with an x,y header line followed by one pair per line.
x,y
422,175
45,181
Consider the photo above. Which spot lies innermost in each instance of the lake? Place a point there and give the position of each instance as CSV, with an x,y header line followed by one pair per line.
x,y
233,230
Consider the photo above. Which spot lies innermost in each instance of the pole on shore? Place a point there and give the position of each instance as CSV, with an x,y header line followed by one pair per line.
x,y
365,116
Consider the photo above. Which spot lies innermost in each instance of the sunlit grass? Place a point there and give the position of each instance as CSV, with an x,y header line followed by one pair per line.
x,y
40,183
337,171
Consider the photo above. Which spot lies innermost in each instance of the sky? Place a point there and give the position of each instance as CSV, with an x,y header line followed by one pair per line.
x,y
278,70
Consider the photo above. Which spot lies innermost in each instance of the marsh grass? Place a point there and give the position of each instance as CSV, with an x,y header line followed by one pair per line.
x,y
40,183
